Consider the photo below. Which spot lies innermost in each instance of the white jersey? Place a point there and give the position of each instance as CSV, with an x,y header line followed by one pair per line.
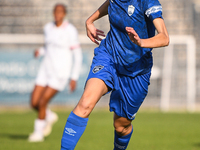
x,y
62,52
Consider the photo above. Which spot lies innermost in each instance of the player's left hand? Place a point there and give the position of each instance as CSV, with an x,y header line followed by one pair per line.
x,y
36,53
93,33
134,36
72,85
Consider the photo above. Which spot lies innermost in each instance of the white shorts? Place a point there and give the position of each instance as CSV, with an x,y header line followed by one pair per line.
x,y
44,78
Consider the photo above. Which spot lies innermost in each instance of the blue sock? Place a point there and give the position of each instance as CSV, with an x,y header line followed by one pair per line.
x,y
121,142
73,130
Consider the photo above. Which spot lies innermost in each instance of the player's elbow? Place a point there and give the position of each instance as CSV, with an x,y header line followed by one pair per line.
x,y
166,40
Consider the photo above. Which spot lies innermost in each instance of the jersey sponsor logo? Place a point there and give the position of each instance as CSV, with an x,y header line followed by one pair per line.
x,y
131,10
70,131
97,68
153,9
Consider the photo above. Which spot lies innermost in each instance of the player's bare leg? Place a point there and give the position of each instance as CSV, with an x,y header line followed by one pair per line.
x,y
77,120
48,94
94,90
123,132
46,114
35,99
36,95
43,124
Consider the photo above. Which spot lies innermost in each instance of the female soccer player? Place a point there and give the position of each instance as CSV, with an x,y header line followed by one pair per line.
x,y
61,44
121,64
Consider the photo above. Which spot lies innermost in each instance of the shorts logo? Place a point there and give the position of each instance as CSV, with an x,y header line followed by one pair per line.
x,y
97,68
70,131
131,10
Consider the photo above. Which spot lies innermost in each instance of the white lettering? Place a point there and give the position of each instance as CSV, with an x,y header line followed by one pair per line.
x,y
19,69
21,86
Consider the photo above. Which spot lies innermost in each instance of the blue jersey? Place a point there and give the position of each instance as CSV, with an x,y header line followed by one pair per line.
x,y
130,59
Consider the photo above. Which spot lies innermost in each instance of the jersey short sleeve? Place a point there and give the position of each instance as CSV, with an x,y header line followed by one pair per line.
x,y
152,9
74,41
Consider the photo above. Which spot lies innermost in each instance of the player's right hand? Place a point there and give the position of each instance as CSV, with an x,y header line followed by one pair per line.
x,y
134,37
72,85
93,33
36,53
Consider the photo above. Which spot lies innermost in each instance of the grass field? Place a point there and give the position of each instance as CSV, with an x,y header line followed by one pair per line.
x,y
152,131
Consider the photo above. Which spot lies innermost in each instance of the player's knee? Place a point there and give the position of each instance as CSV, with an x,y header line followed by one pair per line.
x,y
34,101
119,130
34,104
42,104
122,129
85,106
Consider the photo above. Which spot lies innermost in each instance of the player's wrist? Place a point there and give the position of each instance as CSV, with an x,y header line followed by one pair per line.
x,y
89,21
145,43
142,43
74,79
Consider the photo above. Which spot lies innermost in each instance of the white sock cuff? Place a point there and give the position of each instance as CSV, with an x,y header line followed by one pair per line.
x,y
48,111
40,124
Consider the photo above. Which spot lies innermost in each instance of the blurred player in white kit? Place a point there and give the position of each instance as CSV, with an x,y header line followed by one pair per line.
x,y
61,64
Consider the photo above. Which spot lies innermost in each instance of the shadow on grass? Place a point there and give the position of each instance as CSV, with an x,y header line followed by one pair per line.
x,y
197,144
14,136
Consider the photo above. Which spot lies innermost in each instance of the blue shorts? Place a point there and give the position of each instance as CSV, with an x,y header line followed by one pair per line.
x,y
128,93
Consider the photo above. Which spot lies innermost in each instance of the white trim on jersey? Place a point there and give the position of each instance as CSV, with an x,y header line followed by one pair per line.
x,y
153,9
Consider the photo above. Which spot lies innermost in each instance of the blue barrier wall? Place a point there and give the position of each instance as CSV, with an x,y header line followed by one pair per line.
x,y
18,70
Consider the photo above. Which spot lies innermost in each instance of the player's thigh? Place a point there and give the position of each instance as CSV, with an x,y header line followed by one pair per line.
x,y
95,88
122,125
48,94
37,94
42,77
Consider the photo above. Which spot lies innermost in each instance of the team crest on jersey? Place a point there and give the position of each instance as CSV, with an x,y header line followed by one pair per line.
x,y
131,10
97,68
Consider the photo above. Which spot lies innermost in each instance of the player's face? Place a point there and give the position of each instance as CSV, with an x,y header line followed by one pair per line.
x,y
59,14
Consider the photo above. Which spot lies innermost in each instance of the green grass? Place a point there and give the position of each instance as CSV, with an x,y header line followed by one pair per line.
x,y
152,131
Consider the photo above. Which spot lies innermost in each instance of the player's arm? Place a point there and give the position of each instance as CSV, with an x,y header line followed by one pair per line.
x,y
77,57
92,32
159,40
41,51
77,53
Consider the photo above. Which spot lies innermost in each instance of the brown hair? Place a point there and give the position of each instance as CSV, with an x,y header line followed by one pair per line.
x,y
62,5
